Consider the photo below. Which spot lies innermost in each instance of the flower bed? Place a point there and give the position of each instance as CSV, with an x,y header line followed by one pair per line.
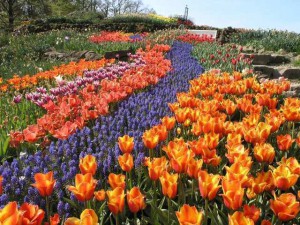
x,y
232,160
106,36
227,152
93,77
63,156
70,69
73,111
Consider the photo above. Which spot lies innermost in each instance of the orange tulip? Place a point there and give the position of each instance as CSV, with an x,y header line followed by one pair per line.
x,y
116,180
229,106
284,142
285,206
211,140
156,166
179,159
150,139
126,143
54,220
264,181
238,172
236,151
264,152
135,200
284,178
84,187
181,114
10,215
162,132
293,164
233,193
211,157
291,109
233,139
257,134
32,215
116,200
44,183
88,164
238,218
169,122
252,212
193,167
208,184
189,215
87,217
169,184
266,222
126,162
275,119
298,141
100,195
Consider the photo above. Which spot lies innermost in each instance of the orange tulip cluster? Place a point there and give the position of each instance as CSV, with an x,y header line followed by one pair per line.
x,y
70,69
85,184
73,111
28,214
115,36
106,36
209,132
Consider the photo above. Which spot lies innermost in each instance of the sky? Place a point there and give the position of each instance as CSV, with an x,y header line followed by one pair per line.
x,y
252,14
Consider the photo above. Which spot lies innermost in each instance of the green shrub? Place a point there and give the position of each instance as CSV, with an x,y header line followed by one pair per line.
x,y
271,40
4,39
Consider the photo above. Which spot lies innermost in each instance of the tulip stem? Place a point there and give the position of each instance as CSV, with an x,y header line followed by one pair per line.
x,y
193,190
117,219
293,128
135,219
48,209
206,212
154,191
169,209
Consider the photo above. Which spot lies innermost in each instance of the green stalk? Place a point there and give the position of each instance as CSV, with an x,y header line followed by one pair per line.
x,y
130,177
117,219
135,219
206,212
48,209
154,192
169,209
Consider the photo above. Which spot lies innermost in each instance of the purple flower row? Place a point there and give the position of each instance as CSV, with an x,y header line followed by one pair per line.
x,y
132,116
41,96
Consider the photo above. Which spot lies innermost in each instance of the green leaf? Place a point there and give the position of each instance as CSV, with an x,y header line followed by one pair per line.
x,y
72,203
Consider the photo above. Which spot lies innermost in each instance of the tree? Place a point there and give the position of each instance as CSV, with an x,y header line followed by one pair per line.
x,y
9,9
117,7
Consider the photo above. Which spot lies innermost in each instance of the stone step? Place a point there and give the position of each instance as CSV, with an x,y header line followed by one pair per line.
x,y
274,72
268,59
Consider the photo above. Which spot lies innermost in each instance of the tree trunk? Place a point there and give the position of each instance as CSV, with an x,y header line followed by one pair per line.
x,y
11,16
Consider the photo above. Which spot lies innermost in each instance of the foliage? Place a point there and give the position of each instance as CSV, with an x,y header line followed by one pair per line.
x,y
26,52
139,18
271,40
296,63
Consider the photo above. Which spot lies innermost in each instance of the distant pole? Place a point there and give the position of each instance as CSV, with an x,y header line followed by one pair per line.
x,y
186,13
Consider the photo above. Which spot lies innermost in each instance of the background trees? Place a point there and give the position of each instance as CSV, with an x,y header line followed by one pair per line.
x,y
12,11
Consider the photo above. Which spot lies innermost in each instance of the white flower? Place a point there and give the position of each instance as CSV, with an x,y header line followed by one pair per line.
x,y
58,79
245,71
